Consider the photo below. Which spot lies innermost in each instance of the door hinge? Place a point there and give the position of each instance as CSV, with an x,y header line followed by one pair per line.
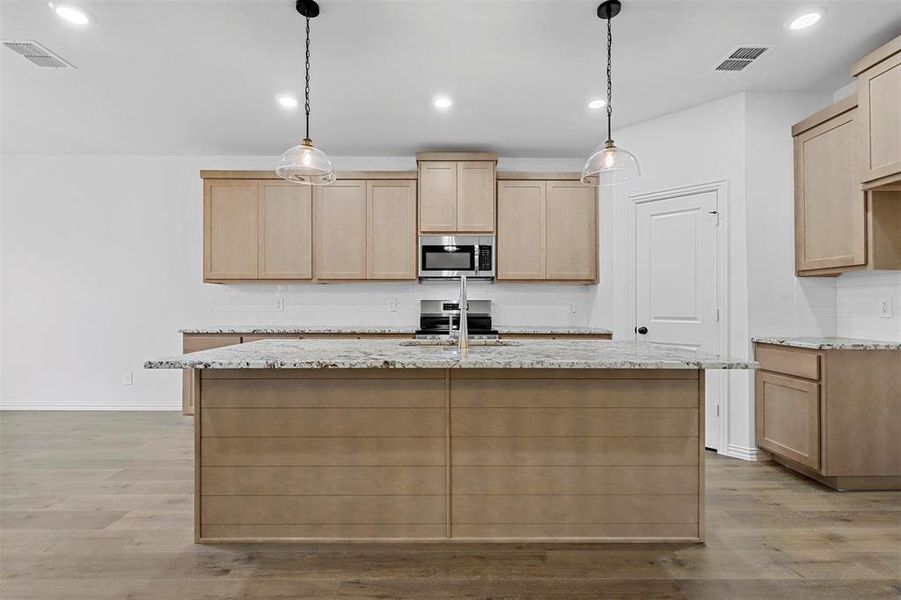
x,y
716,216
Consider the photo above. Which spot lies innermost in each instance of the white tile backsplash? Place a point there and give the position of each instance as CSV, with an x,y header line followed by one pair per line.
x,y
370,304
857,305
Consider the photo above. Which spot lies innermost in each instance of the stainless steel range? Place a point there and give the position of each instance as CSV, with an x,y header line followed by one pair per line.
x,y
441,317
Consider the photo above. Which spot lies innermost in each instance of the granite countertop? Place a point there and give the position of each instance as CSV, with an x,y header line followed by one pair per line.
x,y
401,354
829,343
387,330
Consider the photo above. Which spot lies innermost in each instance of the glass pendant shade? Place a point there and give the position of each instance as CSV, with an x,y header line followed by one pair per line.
x,y
307,165
609,165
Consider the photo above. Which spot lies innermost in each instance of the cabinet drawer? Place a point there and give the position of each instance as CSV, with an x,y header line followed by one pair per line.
x,y
789,362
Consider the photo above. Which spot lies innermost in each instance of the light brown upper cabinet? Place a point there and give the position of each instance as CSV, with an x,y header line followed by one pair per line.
x,y
521,225
547,230
879,94
340,230
475,196
259,227
571,231
391,229
456,192
230,229
830,208
365,230
839,227
437,196
286,230
256,230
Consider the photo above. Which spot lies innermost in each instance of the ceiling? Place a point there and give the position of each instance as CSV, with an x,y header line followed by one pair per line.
x,y
200,77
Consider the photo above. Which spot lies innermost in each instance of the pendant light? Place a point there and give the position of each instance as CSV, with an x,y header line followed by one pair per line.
x,y
609,165
305,163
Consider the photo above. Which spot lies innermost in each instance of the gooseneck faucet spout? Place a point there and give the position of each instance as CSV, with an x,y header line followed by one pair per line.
x,y
463,328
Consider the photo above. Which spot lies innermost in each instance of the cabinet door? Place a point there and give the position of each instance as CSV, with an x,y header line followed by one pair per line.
x,y
830,209
339,214
879,95
571,231
520,230
230,229
437,196
475,196
286,230
788,417
391,227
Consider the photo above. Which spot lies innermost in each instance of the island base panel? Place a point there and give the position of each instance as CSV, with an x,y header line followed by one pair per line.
x,y
506,455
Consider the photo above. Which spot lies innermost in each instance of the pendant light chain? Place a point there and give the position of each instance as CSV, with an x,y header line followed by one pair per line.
x,y
609,78
307,88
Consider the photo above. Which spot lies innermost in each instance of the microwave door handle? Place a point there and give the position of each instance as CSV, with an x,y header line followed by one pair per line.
x,y
475,258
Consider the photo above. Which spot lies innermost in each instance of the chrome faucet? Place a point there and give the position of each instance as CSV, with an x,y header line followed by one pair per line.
x,y
463,328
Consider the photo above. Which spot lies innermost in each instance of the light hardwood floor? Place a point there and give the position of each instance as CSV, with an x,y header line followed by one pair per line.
x,y
99,505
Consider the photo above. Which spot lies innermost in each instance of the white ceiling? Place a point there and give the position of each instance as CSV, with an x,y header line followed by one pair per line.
x,y
200,77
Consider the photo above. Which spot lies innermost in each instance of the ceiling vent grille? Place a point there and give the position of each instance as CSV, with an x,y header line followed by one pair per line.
x,y
37,54
741,58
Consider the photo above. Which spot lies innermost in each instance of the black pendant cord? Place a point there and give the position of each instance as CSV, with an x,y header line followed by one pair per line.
x,y
307,89
609,80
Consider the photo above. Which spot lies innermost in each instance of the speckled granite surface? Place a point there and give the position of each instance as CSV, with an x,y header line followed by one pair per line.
x,y
352,329
291,329
553,330
829,343
394,354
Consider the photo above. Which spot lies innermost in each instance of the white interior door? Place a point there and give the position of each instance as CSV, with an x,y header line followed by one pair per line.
x,y
676,280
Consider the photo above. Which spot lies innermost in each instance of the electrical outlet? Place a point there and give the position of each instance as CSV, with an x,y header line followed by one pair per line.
x,y
279,304
572,308
885,308
392,305
128,378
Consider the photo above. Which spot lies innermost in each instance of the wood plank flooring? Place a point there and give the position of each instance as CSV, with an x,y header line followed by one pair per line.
x,y
99,505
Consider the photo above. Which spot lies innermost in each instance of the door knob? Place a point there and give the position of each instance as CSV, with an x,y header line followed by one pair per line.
x,y
642,330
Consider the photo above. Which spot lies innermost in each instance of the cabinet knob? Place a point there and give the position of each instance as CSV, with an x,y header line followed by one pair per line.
x,y
642,330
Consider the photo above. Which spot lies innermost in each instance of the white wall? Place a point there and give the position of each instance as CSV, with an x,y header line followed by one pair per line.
x,y
101,264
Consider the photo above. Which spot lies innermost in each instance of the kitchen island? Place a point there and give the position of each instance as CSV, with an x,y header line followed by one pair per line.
x,y
395,440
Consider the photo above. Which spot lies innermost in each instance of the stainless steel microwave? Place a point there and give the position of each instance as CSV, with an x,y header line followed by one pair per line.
x,y
449,256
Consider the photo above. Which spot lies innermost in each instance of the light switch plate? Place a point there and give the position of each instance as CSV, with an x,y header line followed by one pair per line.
x,y
128,378
392,305
885,307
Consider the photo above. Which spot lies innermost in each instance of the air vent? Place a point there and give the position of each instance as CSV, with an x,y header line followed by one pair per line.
x,y
37,54
741,58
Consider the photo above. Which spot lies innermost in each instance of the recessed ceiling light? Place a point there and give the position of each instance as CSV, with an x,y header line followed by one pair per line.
x,y
70,13
805,21
287,101
443,102
596,104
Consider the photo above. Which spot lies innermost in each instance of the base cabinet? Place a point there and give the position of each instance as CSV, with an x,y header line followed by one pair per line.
x,y
832,415
788,420
480,455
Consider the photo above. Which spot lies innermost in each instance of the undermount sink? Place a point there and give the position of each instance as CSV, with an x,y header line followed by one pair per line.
x,y
447,342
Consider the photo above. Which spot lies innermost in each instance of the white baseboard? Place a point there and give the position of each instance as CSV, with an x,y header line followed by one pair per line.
x,y
87,407
746,453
